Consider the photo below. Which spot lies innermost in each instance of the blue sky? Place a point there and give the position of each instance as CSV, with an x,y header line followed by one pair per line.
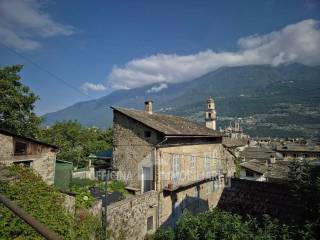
x,y
99,46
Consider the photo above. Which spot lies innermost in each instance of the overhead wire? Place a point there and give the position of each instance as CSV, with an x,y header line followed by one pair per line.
x,y
39,67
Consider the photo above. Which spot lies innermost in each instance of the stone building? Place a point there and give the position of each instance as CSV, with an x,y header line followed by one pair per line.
x,y
184,163
41,157
299,151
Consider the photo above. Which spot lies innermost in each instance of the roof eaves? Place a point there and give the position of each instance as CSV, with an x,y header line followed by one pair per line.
x,y
8,133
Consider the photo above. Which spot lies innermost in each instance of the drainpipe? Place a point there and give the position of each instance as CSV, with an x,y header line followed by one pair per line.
x,y
158,168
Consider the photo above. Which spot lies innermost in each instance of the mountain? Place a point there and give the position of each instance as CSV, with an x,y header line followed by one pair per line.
x,y
267,100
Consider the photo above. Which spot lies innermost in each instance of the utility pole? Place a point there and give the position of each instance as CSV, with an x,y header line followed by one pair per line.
x,y
109,170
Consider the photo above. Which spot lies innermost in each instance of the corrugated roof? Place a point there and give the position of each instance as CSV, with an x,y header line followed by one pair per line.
x,y
169,125
102,154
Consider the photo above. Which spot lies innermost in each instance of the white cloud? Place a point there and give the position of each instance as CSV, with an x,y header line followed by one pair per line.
x,y
92,87
22,22
156,89
294,43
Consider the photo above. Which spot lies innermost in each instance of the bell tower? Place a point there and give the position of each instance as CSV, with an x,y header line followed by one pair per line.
x,y
211,114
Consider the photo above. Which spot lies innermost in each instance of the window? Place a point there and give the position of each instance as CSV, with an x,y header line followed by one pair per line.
x,y
24,163
215,185
20,148
150,223
208,189
176,167
193,161
147,134
197,191
249,173
207,162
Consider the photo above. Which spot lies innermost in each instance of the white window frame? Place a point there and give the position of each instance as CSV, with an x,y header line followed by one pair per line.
x,y
207,162
193,160
176,167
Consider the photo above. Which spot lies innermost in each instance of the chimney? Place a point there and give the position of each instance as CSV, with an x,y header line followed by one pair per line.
x,y
148,106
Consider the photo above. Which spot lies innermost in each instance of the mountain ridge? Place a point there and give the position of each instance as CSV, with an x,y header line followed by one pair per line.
x,y
240,92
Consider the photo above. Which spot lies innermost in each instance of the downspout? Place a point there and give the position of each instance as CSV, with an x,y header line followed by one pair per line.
x,y
158,180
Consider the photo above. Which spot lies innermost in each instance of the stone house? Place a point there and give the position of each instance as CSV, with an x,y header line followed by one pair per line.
x,y
184,163
299,151
264,171
16,149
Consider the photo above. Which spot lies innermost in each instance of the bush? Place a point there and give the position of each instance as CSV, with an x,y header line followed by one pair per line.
x,y
45,203
216,224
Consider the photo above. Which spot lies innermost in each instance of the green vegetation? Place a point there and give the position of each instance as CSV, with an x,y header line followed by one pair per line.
x,y
216,224
44,203
83,186
17,103
76,142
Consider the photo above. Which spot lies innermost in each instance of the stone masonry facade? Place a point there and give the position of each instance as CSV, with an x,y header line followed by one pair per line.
x,y
134,217
39,157
204,168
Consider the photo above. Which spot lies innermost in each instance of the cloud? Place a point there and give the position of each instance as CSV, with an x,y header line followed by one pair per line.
x,y
156,89
92,87
294,43
23,22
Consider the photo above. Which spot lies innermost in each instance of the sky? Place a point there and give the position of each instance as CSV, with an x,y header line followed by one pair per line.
x,y
80,50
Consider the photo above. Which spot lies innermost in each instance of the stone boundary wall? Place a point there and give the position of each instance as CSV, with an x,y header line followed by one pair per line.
x,y
70,204
257,198
127,219
87,174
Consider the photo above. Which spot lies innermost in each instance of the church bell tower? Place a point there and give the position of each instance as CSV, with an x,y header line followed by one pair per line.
x,y
211,114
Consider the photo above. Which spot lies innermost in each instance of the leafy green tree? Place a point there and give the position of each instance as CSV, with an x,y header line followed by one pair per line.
x,y
76,142
17,103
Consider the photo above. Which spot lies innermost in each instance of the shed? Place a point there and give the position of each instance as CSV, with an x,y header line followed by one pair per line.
x,y
63,174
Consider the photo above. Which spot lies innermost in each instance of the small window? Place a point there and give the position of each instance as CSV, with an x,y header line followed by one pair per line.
x,y
147,134
150,223
20,148
208,189
24,163
207,162
197,191
249,173
193,161
215,185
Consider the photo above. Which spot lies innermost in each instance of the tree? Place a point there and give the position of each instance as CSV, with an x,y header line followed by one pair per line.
x,y
76,142
17,103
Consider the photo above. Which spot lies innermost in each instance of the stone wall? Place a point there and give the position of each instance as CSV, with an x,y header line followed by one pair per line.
x,y
258,198
131,147
128,219
43,157
70,203
86,174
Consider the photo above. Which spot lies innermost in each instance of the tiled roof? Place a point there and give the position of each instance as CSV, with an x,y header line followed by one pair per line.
x,y
8,133
279,169
231,143
298,148
260,153
169,125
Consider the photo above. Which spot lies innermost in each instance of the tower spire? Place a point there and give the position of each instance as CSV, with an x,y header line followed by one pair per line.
x,y
211,114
